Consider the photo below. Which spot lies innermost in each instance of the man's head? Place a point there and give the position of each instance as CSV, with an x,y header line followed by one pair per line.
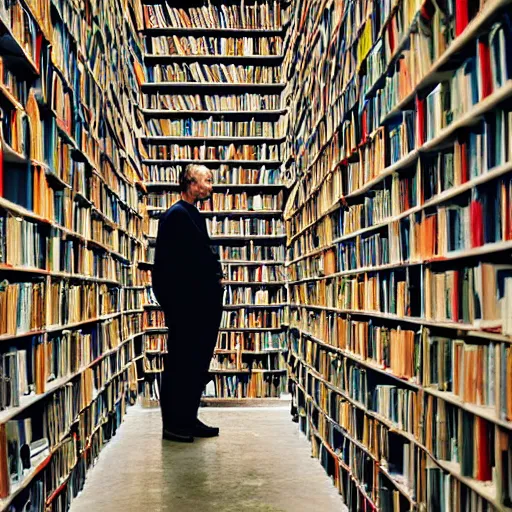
x,y
196,183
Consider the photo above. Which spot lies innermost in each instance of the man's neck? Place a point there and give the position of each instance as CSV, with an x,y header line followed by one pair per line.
x,y
188,198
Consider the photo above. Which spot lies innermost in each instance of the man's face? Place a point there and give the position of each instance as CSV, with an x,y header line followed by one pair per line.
x,y
203,184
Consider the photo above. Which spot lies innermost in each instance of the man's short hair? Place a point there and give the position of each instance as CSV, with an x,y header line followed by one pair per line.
x,y
187,175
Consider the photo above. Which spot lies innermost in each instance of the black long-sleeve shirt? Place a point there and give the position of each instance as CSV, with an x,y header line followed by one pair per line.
x,y
186,269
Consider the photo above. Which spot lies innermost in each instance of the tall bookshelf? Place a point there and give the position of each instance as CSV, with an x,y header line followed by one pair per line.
x,y
399,248
70,293
213,97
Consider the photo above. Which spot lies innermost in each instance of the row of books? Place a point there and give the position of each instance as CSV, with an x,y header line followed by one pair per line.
x,y
90,390
220,152
478,296
484,71
153,362
155,343
214,73
73,210
24,308
242,201
427,177
255,227
132,298
449,367
430,178
211,128
154,318
214,46
402,463
248,102
265,15
29,247
254,385
27,244
239,295
490,133
444,231
272,361
251,341
250,202
369,427
263,273
252,252
224,175
252,319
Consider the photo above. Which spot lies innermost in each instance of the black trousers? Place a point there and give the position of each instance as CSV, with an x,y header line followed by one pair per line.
x,y
191,342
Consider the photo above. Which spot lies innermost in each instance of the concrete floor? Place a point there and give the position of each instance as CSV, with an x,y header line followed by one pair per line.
x,y
259,463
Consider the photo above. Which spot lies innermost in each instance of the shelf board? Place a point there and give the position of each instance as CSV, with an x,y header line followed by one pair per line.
x,y
245,402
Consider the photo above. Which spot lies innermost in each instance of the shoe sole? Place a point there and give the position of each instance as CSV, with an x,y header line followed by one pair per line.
x,y
168,436
205,434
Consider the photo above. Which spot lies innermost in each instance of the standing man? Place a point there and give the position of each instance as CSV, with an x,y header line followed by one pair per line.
x,y
187,278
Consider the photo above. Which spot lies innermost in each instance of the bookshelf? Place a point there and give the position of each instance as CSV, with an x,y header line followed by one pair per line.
x,y
70,289
213,97
399,248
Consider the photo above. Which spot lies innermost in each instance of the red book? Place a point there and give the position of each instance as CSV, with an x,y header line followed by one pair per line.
x,y
483,444
364,126
464,171
461,16
39,44
477,224
420,120
484,69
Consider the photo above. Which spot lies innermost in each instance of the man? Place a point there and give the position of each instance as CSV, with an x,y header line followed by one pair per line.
x,y
187,283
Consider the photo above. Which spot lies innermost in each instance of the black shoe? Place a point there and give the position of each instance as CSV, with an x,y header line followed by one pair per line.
x,y
202,430
177,434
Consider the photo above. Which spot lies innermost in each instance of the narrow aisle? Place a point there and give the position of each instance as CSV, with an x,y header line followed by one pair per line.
x,y
259,463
